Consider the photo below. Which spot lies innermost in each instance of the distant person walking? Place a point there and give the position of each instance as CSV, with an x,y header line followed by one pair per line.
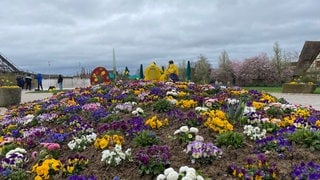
x,y
60,81
39,79
28,80
20,81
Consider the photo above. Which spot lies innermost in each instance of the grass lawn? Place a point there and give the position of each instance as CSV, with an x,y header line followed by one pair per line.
x,y
277,89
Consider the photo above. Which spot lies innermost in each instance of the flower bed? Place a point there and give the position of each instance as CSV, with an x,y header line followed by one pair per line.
x,y
147,130
298,88
10,96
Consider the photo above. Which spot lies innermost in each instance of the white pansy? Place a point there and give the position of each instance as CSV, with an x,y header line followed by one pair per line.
x,y
191,170
117,160
201,109
128,151
168,170
200,177
199,138
161,177
173,175
184,128
248,109
194,130
191,175
183,169
176,132
186,178
232,101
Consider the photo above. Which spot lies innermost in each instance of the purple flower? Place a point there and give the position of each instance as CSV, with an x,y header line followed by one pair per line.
x,y
81,177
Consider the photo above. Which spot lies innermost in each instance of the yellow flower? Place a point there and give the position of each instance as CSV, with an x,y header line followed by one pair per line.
x,y
318,123
154,122
42,170
70,169
118,139
286,121
217,121
38,177
268,98
258,105
302,113
103,143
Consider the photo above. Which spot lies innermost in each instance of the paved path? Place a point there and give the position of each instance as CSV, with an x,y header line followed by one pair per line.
x,y
300,99
297,99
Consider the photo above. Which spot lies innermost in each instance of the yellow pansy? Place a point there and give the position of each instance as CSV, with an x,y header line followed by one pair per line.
x,y
258,105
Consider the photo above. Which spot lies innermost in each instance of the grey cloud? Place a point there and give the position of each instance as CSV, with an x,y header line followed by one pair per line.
x,y
78,33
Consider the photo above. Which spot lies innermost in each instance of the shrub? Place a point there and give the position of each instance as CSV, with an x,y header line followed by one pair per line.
x,y
153,160
146,138
230,138
306,137
162,105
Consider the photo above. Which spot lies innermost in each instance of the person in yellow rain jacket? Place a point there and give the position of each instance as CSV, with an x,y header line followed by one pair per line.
x,y
171,73
152,72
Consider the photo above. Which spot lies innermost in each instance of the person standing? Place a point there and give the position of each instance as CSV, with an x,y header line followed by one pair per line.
x,y
172,71
39,79
28,80
60,81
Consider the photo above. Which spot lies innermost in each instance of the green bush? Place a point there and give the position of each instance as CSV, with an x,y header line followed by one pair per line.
x,y
162,105
306,137
146,138
230,138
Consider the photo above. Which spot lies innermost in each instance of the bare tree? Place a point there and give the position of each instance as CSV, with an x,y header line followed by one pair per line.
x,y
277,58
225,73
281,62
182,70
202,70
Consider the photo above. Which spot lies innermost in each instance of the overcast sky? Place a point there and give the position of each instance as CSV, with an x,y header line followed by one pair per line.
x,y
69,34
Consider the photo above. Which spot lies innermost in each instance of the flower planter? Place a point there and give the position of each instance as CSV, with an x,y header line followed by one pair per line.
x,y
10,96
298,88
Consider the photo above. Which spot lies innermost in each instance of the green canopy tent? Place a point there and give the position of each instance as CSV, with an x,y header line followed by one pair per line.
x,y
134,77
188,71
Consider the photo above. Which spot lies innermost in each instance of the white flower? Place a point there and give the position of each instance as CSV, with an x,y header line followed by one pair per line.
x,y
184,128
168,170
191,170
118,148
122,155
128,152
183,169
173,175
248,110
191,174
186,178
201,109
199,138
117,160
172,101
232,101
176,132
161,177
194,130
200,177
